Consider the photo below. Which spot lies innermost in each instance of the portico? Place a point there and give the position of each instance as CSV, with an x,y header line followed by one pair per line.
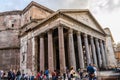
x,y
63,42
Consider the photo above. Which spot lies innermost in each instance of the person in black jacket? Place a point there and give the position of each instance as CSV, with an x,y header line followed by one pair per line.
x,y
10,75
18,75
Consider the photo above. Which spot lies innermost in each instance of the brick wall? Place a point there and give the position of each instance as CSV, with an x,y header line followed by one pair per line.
x,y
9,58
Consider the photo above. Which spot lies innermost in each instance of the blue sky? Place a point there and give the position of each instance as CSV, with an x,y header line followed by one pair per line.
x,y
107,12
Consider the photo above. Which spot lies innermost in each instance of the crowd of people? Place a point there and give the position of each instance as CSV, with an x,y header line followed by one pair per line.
x,y
70,74
10,75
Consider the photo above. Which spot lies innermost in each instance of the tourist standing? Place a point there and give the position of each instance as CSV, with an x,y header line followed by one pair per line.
x,y
54,75
72,73
10,74
38,76
95,68
13,75
90,71
18,75
47,73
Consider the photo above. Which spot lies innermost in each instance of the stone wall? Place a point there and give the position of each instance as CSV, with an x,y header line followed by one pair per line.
x,y
110,49
9,40
10,21
9,58
10,24
33,13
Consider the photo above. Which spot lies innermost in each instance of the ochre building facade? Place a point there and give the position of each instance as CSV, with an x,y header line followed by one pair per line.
x,y
38,38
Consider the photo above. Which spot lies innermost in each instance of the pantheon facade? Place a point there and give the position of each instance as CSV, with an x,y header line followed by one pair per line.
x,y
58,40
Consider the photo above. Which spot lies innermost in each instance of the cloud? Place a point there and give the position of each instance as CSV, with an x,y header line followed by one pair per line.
x,y
77,4
53,4
66,4
107,14
7,5
106,11
105,5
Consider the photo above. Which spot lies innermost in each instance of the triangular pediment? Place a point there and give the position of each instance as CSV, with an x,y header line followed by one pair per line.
x,y
60,17
85,17
38,6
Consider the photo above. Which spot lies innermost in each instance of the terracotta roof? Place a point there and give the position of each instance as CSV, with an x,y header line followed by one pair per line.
x,y
37,5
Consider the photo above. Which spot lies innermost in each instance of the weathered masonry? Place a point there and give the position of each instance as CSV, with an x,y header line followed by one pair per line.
x,y
61,39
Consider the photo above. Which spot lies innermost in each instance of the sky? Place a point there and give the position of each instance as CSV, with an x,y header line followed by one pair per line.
x,y
107,12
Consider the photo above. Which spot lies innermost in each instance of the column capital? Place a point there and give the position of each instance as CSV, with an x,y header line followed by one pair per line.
x,y
100,41
85,35
41,35
60,26
78,32
70,31
96,39
50,31
91,37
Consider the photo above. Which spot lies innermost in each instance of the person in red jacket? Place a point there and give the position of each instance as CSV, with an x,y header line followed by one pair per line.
x,y
38,76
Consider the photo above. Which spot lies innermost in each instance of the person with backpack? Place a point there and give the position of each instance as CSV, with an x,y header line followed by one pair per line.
x,y
47,73
90,71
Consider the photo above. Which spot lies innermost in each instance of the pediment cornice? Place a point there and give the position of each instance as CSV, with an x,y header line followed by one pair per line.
x,y
55,16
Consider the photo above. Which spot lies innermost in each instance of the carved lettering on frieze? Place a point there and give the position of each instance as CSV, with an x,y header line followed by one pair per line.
x,y
84,19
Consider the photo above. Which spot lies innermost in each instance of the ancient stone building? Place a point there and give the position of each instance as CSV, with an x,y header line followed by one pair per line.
x,y
54,39
110,48
9,41
117,53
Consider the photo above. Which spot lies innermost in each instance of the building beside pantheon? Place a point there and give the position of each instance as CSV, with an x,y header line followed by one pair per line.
x,y
37,38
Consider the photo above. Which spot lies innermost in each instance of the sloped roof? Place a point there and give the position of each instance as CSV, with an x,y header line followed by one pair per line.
x,y
83,10
37,5
57,14
61,12
15,12
108,33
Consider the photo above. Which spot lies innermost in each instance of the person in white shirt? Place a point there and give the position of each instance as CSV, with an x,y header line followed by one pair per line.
x,y
95,68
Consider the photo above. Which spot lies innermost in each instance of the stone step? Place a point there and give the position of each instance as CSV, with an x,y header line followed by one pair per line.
x,y
108,73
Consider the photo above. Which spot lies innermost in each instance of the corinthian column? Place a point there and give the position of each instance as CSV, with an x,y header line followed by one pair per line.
x,y
98,52
93,51
80,50
105,50
50,51
71,53
103,53
61,49
42,53
87,49
34,53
